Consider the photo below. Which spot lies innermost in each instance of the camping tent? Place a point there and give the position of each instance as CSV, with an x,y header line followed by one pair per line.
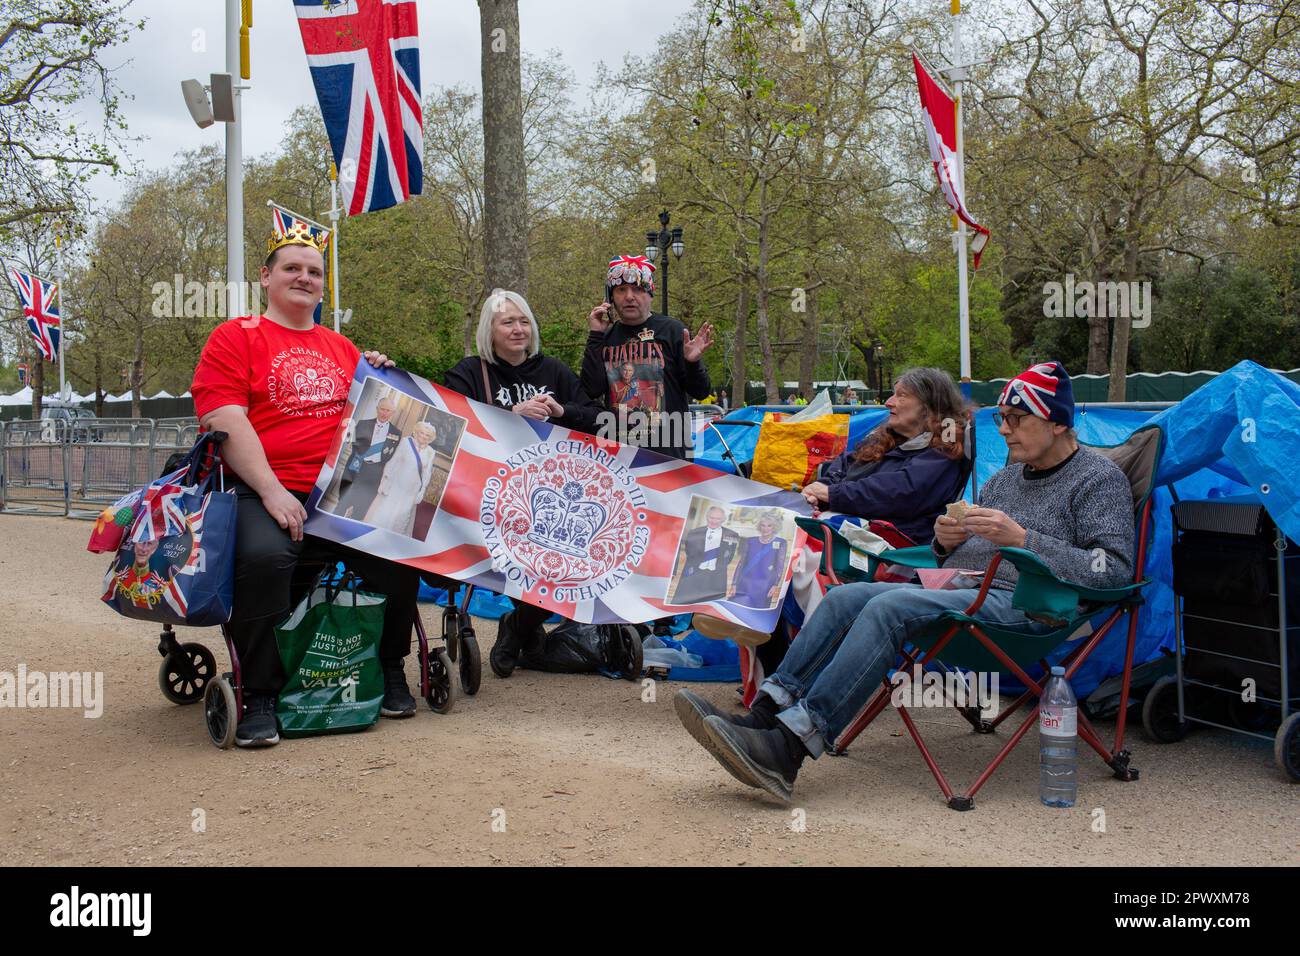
x,y
21,397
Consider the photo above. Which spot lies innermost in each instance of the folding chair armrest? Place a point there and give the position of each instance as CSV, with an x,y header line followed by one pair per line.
x,y
836,555
1040,591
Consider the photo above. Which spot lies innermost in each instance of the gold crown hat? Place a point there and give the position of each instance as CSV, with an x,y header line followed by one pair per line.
x,y
300,234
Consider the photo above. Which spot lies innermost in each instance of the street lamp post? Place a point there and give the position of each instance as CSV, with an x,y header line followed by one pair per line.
x,y
662,241
878,352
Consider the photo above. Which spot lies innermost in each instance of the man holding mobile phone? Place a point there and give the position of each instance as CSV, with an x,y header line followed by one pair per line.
x,y
632,351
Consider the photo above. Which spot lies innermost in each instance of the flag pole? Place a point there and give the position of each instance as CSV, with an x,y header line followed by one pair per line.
x,y
63,315
236,66
958,74
334,243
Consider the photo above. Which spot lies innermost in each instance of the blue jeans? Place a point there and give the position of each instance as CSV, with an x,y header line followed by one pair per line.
x,y
841,656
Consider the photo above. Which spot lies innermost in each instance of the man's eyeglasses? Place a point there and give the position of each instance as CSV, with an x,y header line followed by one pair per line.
x,y
1013,420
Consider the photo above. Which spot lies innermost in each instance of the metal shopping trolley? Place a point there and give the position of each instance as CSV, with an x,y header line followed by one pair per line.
x,y
1237,624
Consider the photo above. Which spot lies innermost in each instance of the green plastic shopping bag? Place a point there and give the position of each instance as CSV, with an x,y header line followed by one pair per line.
x,y
329,647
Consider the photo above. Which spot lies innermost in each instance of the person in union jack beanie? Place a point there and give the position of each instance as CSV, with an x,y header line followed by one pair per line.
x,y
1066,503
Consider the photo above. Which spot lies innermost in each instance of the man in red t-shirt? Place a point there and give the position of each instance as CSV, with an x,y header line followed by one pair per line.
x,y
277,384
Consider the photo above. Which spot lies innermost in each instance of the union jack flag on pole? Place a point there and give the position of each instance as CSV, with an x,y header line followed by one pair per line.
x,y
596,531
939,112
364,57
40,300
284,221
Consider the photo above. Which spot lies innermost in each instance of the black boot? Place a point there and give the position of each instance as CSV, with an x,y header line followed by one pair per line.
x,y
504,656
692,709
397,701
764,759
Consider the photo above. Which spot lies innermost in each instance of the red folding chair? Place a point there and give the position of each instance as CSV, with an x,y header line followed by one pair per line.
x,y
958,640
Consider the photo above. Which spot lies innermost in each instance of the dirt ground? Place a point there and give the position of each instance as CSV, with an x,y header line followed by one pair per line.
x,y
580,769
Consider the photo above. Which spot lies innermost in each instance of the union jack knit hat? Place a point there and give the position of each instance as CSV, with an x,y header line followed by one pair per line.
x,y
636,270
1043,390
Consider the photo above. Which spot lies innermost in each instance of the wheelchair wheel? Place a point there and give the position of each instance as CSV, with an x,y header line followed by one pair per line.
x,y
631,653
182,679
1160,712
450,627
471,661
1286,747
219,711
442,692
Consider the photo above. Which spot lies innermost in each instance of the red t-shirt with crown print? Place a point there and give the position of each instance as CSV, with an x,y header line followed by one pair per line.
x,y
294,383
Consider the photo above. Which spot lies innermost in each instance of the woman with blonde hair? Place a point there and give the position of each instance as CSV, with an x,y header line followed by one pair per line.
x,y
511,372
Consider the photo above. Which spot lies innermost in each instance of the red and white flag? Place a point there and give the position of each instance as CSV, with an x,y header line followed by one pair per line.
x,y
940,114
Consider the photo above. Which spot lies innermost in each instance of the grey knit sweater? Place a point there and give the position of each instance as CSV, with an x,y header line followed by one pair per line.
x,y
1078,519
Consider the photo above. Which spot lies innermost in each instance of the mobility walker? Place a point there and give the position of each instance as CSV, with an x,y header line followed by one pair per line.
x,y
188,674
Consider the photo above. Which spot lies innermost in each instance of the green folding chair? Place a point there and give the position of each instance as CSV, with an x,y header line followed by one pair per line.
x,y
958,640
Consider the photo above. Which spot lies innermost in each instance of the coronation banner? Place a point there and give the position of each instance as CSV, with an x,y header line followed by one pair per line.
x,y
596,531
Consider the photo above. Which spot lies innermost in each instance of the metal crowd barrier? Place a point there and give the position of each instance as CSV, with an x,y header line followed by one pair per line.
x,y
77,468
34,471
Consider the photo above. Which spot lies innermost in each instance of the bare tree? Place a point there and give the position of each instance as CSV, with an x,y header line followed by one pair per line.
x,y
1117,105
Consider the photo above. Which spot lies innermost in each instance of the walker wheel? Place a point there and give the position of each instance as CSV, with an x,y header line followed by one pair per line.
x,y
631,653
1160,712
471,661
219,711
182,678
441,694
1286,747
450,626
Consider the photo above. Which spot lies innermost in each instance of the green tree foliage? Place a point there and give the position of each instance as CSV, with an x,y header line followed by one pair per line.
x,y
50,58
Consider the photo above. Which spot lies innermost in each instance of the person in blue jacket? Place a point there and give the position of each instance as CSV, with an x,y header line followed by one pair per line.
x,y
910,467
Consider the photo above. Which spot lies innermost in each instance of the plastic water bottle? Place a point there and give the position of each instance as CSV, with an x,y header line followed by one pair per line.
x,y
1058,738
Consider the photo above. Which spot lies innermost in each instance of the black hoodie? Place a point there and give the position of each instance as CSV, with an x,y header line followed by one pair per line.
x,y
512,384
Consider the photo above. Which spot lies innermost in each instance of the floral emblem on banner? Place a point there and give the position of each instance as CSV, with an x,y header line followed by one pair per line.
x,y
566,517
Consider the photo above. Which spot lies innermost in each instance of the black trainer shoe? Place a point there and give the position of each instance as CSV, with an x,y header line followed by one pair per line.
x,y
397,701
504,656
764,759
257,728
691,710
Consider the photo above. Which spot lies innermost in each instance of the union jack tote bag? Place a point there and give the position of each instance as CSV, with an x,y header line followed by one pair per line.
x,y
175,563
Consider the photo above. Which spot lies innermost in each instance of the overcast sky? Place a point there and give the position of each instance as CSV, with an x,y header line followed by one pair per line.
x,y
154,61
